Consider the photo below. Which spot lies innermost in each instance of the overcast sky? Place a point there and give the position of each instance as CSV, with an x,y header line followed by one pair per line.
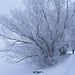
x,y
6,5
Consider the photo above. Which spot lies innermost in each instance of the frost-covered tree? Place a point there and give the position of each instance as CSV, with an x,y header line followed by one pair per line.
x,y
39,31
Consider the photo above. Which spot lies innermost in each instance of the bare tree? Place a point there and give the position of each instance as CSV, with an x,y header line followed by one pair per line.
x,y
38,31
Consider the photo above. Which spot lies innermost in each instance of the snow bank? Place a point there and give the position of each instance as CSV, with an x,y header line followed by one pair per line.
x,y
65,68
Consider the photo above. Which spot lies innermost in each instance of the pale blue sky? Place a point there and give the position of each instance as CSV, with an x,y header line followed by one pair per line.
x,y
6,5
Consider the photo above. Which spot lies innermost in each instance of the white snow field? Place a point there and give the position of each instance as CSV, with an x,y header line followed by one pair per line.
x,y
67,67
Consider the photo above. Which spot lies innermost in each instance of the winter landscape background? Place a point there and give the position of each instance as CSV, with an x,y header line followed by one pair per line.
x,y
37,37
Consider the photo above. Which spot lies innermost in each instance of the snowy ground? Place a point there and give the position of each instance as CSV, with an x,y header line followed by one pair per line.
x,y
13,69
65,68
62,69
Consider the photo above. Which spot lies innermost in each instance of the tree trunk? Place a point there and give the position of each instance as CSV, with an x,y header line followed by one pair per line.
x,y
73,51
